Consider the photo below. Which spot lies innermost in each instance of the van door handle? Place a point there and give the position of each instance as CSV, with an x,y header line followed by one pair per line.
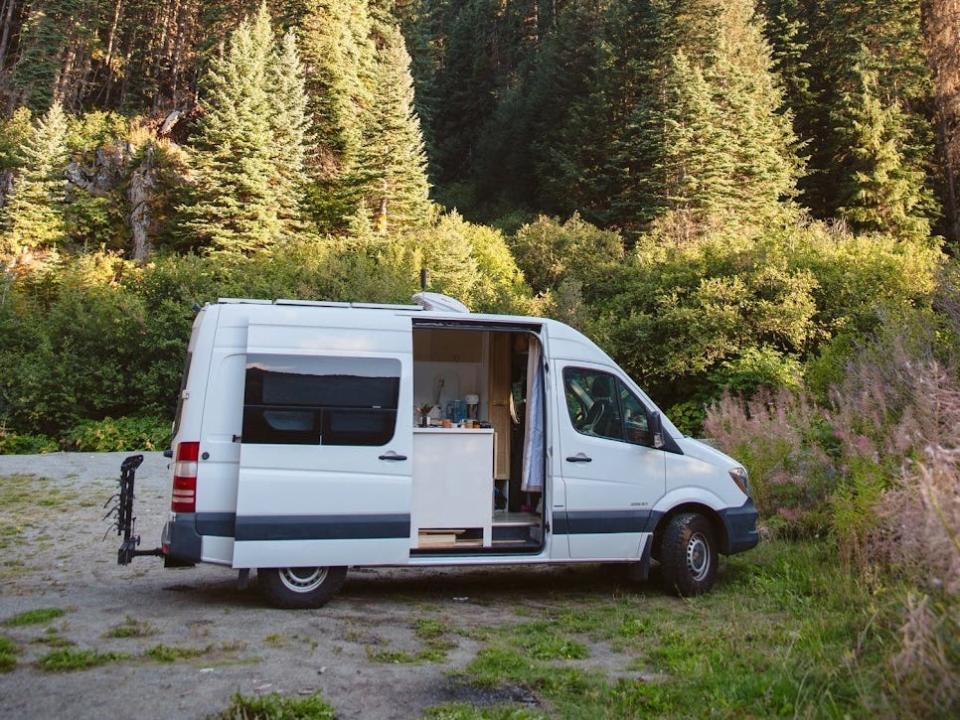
x,y
391,455
579,457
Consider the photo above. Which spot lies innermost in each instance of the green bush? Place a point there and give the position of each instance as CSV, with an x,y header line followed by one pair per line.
x,y
742,309
126,433
23,444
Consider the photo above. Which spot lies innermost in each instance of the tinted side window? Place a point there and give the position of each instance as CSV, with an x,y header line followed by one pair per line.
x,y
293,400
593,403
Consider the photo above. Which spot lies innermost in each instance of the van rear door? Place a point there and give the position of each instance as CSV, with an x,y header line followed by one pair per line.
x,y
326,446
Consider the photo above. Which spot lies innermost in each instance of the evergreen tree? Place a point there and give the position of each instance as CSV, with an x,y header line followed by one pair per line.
x,y
707,137
233,201
339,59
747,90
290,125
882,192
32,217
695,169
392,165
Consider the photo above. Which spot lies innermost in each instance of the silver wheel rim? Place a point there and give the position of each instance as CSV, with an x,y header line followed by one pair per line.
x,y
698,557
303,580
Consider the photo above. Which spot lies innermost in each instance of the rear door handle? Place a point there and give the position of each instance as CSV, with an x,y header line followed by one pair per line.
x,y
579,457
391,455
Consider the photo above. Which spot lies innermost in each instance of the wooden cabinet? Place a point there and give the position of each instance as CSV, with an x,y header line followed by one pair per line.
x,y
499,389
448,346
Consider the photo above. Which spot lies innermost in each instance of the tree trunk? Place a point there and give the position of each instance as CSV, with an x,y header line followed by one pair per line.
x,y
142,182
7,22
941,30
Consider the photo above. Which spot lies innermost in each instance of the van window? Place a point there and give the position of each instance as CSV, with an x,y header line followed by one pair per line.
x,y
295,400
602,406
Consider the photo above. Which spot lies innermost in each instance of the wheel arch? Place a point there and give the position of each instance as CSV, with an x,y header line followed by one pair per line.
x,y
699,508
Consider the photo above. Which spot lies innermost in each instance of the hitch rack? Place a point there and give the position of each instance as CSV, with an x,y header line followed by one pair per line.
x,y
125,521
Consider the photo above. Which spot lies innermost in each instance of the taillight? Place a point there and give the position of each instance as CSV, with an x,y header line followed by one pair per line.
x,y
185,477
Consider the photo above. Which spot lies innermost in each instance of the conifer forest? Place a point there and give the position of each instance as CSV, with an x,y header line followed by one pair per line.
x,y
752,205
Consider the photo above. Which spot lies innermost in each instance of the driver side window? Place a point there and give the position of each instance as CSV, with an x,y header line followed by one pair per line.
x,y
601,406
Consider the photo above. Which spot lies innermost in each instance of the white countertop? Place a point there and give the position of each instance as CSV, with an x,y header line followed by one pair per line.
x,y
452,431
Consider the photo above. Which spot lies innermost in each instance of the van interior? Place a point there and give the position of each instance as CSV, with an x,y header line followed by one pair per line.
x,y
479,458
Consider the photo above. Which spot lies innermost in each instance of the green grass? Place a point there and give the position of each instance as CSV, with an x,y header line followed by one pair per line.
x,y
431,632
34,617
461,711
276,707
785,632
69,660
8,654
171,653
131,628
52,638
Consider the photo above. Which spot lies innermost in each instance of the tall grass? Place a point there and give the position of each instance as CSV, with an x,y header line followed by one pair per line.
x,y
877,466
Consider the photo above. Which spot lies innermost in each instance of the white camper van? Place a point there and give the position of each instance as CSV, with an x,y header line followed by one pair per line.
x,y
315,436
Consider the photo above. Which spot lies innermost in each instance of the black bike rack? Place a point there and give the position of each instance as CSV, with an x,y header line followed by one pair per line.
x,y
122,510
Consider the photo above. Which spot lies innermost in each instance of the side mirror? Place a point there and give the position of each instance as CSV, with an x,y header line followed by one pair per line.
x,y
656,430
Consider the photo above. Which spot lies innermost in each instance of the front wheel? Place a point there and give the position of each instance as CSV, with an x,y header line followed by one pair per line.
x,y
688,554
299,588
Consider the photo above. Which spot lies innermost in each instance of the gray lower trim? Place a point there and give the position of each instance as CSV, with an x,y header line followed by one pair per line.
x,y
184,543
583,522
321,527
214,523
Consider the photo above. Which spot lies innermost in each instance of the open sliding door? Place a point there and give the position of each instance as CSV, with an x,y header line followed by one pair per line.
x,y
327,440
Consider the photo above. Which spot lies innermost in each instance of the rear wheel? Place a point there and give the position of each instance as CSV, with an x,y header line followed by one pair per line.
x,y
688,554
295,588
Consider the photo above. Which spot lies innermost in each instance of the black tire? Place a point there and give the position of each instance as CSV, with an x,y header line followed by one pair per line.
x,y
688,555
300,588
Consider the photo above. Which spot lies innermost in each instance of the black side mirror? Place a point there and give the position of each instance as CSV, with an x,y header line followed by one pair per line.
x,y
656,430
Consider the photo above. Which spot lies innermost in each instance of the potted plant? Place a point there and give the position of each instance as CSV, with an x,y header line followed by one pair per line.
x,y
424,410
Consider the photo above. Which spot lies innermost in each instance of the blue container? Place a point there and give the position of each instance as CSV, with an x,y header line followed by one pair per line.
x,y
456,411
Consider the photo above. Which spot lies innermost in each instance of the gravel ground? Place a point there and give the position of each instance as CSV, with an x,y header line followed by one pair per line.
x,y
60,559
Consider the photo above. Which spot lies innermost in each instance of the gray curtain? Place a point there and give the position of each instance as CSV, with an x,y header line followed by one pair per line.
x,y
533,444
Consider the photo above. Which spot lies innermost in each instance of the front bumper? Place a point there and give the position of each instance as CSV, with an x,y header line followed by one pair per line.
x,y
740,525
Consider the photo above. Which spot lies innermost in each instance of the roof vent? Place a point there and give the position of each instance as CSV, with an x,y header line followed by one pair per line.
x,y
440,303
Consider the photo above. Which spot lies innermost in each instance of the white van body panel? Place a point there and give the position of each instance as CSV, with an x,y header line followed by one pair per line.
x,y
249,494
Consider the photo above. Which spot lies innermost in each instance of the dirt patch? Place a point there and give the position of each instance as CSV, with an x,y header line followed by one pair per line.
x,y
216,640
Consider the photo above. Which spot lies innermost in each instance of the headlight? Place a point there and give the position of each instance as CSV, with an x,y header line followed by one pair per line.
x,y
739,476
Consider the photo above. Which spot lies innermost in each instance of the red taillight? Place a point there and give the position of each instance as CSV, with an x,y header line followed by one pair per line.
x,y
185,477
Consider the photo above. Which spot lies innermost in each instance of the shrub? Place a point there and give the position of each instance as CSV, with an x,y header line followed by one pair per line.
x,y
549,251
25,444
779,439
126,433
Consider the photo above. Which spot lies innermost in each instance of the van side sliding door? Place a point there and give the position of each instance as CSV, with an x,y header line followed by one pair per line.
x,y
326,448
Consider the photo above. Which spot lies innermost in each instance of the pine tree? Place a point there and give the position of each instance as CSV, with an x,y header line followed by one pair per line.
x,y
882,193
707,137
339,59
233,203
392,170
32,217
290,125
695,169
765,163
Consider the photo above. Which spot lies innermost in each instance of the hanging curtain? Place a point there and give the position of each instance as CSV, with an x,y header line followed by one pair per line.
x,y
533,443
